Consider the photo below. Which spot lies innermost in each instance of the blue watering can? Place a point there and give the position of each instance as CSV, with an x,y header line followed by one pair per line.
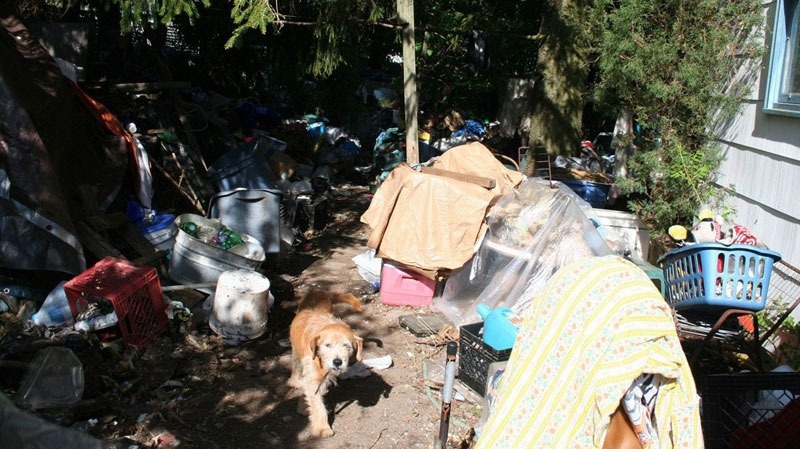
x,y
499,331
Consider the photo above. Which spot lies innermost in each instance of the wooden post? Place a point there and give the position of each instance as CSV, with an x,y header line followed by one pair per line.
x,y
405,12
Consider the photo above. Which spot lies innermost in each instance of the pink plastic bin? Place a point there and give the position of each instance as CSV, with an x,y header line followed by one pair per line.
x,y
404,287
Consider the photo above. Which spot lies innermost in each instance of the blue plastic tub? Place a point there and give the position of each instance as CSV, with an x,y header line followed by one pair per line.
x,y
712,275
594,193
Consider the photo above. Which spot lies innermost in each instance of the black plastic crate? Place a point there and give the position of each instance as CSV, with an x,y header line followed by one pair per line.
x,y
475,356
751,411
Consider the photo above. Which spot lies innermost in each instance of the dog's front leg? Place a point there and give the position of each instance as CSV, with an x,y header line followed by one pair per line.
x,y
315,390
295,380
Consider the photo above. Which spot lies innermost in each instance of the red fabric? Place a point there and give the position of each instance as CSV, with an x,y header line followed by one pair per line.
x,y
742,235
111,123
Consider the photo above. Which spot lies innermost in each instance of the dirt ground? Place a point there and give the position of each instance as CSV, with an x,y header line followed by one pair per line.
x,y
189,390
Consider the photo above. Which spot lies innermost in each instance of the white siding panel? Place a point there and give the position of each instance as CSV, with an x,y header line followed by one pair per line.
x,y
762,161
779,233
774,134
763,178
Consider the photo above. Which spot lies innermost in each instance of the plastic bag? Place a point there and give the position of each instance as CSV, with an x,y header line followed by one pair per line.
x,y
369,266
532,232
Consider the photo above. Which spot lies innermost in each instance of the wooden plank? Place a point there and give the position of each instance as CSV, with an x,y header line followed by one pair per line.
x,y
487,183
136,240
96,243
106,222
405,14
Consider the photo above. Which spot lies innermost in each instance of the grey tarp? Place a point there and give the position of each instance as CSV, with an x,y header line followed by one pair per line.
x,y
52,151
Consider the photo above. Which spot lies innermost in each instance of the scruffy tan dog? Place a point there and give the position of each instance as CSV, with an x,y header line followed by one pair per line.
x,y
322,346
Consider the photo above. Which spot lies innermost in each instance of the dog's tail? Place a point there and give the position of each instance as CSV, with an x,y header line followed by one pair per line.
x,y
322,300
346,298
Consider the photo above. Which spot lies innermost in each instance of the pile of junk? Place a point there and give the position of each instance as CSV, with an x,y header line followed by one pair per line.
x,y
551,296
124,206
477,232
125,209
175,176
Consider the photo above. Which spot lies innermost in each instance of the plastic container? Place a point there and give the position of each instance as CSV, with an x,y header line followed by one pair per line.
x,y
196,262
160,231
594,193
499,331
244,167
475,356
54,379
256,212
656,274
133,291
750,410
241,305
709,275
98,322
632,231
55,310
136,212
403,287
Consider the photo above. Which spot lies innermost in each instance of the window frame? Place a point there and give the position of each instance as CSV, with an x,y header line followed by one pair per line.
x,y
783,27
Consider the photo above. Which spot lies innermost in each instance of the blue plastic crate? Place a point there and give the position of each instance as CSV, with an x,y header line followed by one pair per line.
x,y
710,275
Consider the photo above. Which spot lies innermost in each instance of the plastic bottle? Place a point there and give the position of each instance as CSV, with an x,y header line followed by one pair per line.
x,y
499,331
97,322
55,310
372,287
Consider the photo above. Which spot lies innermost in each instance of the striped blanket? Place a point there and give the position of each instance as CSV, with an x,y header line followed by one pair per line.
x,y
596,326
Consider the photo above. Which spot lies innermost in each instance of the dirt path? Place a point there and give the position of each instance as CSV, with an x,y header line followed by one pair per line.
x,y
194,392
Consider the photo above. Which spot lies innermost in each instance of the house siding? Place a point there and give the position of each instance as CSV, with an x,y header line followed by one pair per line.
x,y
762,164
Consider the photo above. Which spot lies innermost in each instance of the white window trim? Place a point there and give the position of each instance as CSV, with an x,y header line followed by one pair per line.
x,y
772,103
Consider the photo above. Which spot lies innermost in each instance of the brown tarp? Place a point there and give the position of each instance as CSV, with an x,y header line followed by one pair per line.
x,y
432,223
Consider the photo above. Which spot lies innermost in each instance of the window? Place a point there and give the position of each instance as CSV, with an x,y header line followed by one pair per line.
x,y
783,82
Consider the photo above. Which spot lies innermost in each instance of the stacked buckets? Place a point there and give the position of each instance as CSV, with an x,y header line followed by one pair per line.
x,y
240,299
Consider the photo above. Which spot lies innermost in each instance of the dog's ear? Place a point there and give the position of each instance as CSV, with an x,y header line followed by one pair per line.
x,y
313,346
358,342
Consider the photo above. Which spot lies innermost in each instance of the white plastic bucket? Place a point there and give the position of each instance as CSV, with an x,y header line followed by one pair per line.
x,y
631,230
241,305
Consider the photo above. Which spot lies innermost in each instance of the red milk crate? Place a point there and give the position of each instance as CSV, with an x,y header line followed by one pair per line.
x,y
133,290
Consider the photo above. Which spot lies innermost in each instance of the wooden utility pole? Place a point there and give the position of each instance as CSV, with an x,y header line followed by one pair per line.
x,y
405,12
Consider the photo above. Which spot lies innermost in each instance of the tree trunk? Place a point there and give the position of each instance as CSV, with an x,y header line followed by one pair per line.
x,y
559,90
405,13
622,143
515,106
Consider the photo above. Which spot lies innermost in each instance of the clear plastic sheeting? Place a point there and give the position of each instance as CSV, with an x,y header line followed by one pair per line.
x,y
532,232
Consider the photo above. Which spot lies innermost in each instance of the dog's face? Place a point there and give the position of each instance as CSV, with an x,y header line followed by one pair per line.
x,y
335,345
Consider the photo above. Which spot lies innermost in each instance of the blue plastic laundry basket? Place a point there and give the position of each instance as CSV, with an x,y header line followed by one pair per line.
x,y
712,275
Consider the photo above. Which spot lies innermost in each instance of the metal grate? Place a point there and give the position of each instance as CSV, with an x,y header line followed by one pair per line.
x,y
784,297
751,411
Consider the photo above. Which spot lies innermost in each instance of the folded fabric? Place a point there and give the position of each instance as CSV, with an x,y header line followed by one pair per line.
x,y
596,326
